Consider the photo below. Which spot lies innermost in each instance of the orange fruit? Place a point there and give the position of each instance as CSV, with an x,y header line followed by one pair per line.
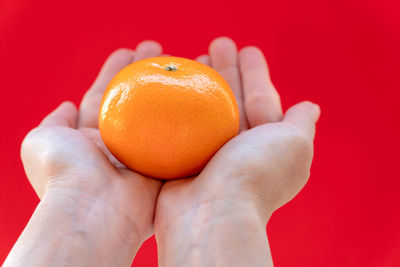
x,y
165,117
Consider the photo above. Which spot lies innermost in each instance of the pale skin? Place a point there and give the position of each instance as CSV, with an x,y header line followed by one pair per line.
x,y
95,212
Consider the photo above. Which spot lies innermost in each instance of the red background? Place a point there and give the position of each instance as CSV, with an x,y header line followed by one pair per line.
x,y
342,54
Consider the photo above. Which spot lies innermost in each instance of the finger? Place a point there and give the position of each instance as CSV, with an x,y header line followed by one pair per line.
x,y
304,116
224,59
205,59
147,49
261,100
65,115
90,105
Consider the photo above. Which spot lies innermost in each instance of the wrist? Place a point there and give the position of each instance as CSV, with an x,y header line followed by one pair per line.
x,y
214,228
93,210
71,227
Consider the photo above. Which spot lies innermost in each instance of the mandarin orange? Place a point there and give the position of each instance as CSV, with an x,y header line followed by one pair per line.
x,y
165,117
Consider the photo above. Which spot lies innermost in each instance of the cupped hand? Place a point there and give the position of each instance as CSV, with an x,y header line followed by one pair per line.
x,y
251,176
67,162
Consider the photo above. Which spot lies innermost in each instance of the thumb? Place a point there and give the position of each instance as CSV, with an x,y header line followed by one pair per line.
x,y
65,115
304,116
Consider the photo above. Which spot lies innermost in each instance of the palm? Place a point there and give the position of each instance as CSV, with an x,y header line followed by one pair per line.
x,y
70,143
115,186
258,104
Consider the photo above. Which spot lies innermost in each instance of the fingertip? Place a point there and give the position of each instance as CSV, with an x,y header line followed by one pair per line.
x,y
304,116
122,51
251,50
222,39
147,49
65,114
252,56
66,108
314,109
223,53
149,46
116,61
120,56
205,59
68,105
221,43
317,111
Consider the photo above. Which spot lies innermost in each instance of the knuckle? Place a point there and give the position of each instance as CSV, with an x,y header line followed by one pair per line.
x,y
301,141
29,142
36,148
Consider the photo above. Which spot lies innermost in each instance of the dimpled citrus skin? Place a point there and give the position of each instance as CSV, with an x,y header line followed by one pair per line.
x,y
165,117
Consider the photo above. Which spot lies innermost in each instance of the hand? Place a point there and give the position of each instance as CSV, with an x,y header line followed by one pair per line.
x,y
95,206
219,218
